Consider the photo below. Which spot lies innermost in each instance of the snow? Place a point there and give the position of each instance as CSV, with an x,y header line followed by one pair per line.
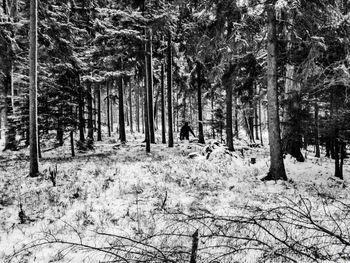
x,y
119,189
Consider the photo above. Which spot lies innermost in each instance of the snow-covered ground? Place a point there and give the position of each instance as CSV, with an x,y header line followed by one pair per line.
x,y
120,203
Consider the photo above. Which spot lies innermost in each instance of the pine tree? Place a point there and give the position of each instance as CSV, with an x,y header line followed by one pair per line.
x,y
34,154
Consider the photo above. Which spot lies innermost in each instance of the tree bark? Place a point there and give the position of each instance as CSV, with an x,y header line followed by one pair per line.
x,y
163,103
122,133
33,122
108,109
90,124
146,105
277,170
199,98
60,128
316,131
137,107
81,114
99,128
169,93
150,86
130,109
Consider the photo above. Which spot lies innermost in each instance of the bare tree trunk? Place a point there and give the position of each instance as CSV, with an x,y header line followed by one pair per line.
x,y
277,170
99,128
121,111
72,143
199,98
108,109
81,115
90,124
260,119
169,93
256,118
150,86
138,107
146,104
130,109
236,117
60,131
33,122
163,103
316,131
212,110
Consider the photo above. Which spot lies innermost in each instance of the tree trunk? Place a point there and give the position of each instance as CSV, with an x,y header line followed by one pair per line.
x,y
33,122
256,118
163,103
130,109
90,123
81,115
199,98
150,86
122,133
236,117
212,110
138,107
169,93
277,170
108,109
316,131
260,120
227,83
72,143
146,104
60,132
99,128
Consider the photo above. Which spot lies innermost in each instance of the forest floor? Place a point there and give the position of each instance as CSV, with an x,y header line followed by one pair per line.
x,y
119,204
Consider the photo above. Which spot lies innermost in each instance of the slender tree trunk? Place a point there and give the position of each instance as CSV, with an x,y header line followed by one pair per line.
x,y
199,98
81,115
90,123
227,83
72,143
130,109
121,111
277,170
212,110
111,109
108,109
316,131
163,103
150,86
138,107
256,118
142,105
33,122
236,117
59,135
146,104
260,120
169,93
99,128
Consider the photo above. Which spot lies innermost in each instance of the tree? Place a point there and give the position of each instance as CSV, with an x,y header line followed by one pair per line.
x,y
199,101
170,92
277,170
122,135
33,122
163,103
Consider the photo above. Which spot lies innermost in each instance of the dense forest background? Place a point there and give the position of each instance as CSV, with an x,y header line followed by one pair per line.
x,y
143,64
93,94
